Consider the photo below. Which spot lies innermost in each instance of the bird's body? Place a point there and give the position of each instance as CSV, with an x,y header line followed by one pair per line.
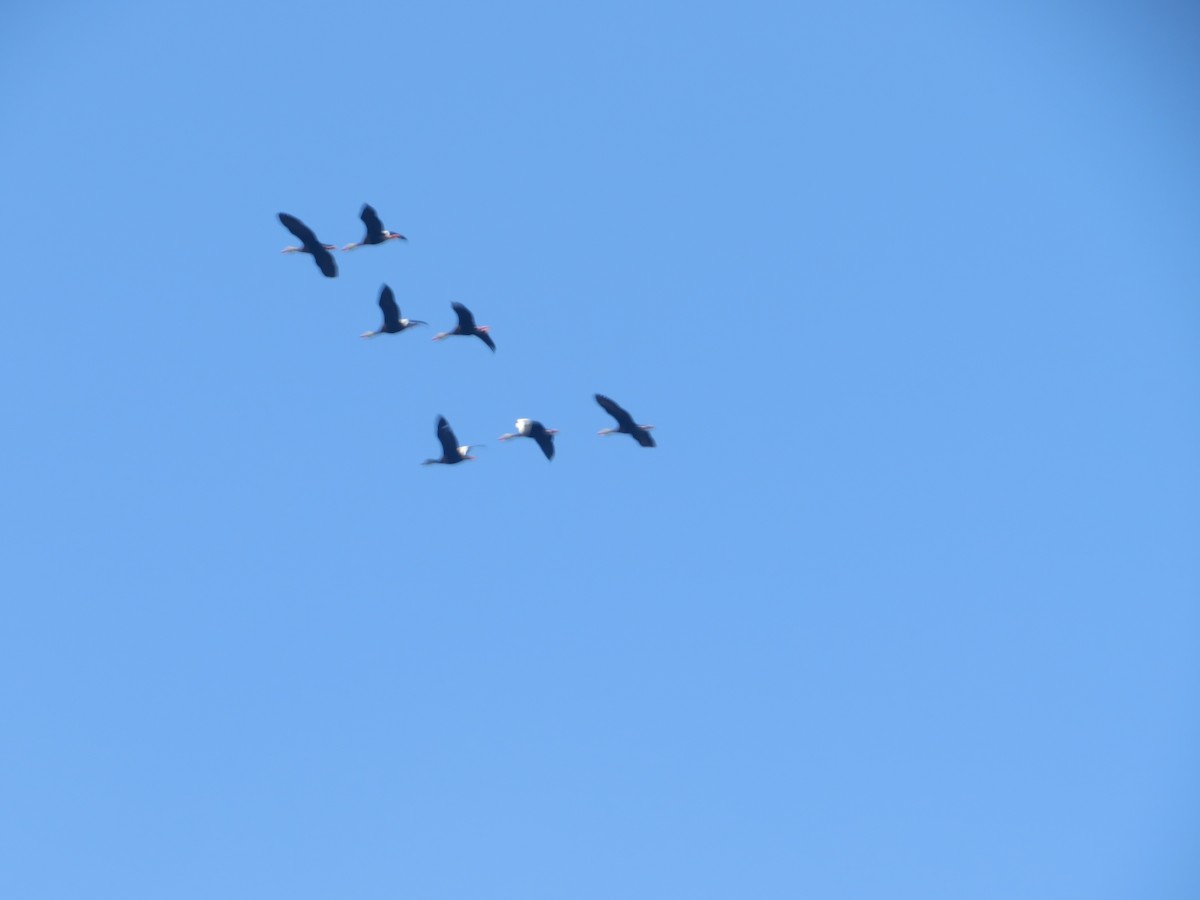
x,y
376,233
533,429
466,326
625,423
392,323
309,244
452,451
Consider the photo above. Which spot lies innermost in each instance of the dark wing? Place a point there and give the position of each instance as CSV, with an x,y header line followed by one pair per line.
x,y
324,261
374,226
303,233
446,436
466,321
538,432
643,437
391,312
487,339
623,418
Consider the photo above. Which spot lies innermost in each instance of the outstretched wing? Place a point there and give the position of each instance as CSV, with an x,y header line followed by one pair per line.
x,y
544,439
391,312
324,261
374,226
303,233
623,418
466,321
643,437
448,440
487,339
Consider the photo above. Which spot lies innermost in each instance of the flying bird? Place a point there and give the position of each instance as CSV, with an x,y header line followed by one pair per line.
x,y
467,326
625,423
309,244
376,233
392,323
452,452
536,430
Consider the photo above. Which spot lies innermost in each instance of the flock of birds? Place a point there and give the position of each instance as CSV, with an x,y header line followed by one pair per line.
x,y
393,323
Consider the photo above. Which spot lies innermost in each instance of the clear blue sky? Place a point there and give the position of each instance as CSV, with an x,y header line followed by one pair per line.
x,y
906,603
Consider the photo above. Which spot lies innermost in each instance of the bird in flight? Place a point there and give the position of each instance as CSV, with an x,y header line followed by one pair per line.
x,y
309,244
452,451
625,423
536,430
376,233
466,326
392,323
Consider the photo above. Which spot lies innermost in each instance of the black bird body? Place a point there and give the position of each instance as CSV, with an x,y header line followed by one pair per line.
x,y
376,233
467,327
452,451
310,244
533,429
625,423
392,323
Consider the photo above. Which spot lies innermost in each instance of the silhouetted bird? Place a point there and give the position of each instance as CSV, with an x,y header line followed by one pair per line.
x,y
536,430
376,233
392,323
451,451
625,423
309,244
467,327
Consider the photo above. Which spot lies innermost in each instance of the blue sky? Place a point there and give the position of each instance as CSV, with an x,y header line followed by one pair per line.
x,y
903,605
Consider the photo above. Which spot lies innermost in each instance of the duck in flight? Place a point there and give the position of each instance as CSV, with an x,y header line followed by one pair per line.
x,y
625,423
376,233
392,323
309,244
532,429
466,326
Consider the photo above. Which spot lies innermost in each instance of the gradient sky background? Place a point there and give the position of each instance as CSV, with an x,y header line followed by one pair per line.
x,y
904,605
